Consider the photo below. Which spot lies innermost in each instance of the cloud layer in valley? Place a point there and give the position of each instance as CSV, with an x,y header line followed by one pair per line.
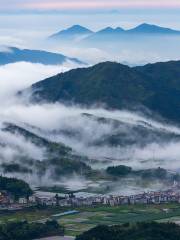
x,y
56,122
85,130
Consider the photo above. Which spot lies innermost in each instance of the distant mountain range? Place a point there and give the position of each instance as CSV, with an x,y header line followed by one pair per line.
x,y
12,55
73,33
152,29
78,32
153,86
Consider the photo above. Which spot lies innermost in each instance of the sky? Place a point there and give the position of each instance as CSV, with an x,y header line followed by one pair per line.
x,y
27,23
88,4
63,13
59,14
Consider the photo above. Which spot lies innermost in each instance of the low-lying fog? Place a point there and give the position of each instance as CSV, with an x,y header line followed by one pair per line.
x,y
33,29
107,138
141,141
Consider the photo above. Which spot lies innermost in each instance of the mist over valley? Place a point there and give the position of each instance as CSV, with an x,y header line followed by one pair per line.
x,y
68,129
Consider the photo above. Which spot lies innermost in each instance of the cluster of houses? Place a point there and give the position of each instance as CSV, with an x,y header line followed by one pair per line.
x,y
110,200
72,200
145,198
8,202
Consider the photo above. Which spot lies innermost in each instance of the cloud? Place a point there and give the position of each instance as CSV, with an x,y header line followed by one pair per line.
x,y
15,145
91,55
86,134
13,78
70,126
18,76
81,4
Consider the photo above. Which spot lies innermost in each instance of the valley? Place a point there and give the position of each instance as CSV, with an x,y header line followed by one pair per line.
x,y
88,218
89,120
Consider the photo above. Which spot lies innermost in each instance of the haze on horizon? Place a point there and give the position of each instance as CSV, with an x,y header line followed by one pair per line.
x,y
46,17
81,4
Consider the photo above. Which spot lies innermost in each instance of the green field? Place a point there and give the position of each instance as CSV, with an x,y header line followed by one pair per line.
x,y
90,217
31,214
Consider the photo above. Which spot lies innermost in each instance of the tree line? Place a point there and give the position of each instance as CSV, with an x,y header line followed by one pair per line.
x,y
139,231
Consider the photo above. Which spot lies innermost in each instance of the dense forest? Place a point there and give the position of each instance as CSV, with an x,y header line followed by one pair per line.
x,y
139,231
149,174
117,86
27,231
16,187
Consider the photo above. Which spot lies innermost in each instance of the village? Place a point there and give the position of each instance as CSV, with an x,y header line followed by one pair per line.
x,y
7,202
112,200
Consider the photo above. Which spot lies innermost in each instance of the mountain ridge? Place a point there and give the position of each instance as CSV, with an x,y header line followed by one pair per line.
x,y
144,28
13,55
71,33
60,158
117,86
151,28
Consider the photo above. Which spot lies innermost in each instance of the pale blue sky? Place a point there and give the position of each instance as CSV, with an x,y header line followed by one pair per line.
x,y
85,4
49,22
28,29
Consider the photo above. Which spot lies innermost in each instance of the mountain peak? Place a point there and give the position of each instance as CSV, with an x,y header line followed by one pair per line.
x,y
150,28
72,32
13,55
106,30
145,26
78,28
119,29
109,30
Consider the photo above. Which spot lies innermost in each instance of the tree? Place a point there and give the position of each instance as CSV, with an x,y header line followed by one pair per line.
x,y
18,188
119,171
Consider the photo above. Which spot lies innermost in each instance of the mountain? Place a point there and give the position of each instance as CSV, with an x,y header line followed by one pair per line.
x,y
58,159
153,86
110,30
72,33
12,55
105,34
151,29
117,34
124,134
80,34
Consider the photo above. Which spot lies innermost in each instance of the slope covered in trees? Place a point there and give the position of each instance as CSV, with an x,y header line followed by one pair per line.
x,y
57,157
144,231
154,86
18,188
24,230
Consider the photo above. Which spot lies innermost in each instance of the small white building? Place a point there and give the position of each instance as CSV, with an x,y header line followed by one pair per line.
x,y
32,199
23,200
